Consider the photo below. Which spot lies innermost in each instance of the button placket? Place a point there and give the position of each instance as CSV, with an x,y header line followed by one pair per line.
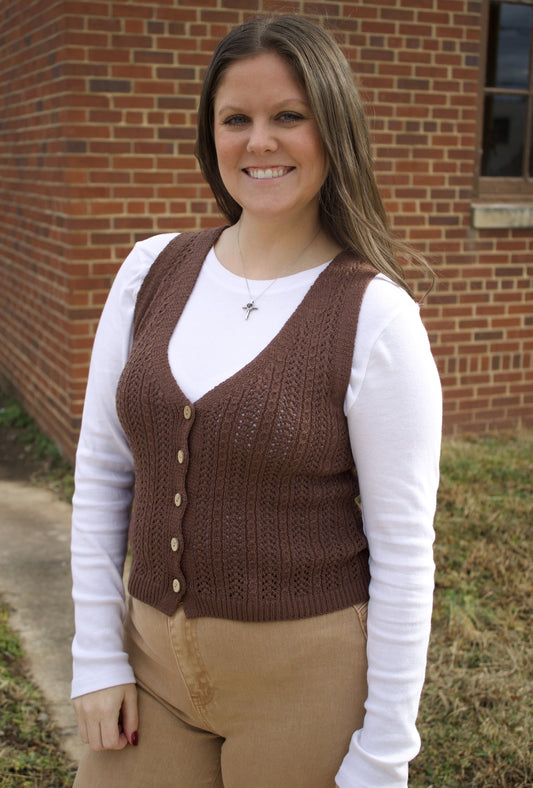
x,y
180,498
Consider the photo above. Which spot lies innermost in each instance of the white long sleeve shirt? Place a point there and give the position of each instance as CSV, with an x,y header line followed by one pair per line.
x,y
393,409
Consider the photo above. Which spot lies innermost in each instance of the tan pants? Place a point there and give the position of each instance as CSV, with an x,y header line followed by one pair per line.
x,y
227,704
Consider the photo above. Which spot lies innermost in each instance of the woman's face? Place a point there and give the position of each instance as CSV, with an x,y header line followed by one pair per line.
x,y
270,154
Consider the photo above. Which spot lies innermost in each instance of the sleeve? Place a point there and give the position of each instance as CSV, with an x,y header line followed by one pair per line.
x,y
395,421
104,479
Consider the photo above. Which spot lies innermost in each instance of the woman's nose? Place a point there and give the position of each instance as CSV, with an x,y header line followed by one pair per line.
x,y
261,139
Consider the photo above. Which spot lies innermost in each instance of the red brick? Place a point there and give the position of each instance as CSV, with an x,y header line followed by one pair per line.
x,y
116,113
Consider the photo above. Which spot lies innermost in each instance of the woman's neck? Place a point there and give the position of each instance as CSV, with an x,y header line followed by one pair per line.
x,y
258,250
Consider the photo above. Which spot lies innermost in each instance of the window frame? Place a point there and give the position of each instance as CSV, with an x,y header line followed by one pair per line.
x,y
502,188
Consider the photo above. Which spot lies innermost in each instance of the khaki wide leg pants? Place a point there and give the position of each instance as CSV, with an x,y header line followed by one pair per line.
x,y
229,704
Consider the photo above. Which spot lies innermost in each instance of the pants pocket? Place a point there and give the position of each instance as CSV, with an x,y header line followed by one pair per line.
x,y
361,611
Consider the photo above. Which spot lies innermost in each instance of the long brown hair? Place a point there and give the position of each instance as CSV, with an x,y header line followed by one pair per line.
x,y
351,208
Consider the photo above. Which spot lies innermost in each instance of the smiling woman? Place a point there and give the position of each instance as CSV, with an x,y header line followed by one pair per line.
x,y
250,384
350,207
273,164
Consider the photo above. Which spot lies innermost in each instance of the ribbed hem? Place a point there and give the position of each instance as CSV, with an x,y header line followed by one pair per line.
x,y
258,610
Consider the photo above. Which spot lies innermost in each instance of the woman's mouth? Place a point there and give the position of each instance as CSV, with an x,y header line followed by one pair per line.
x,y
267,173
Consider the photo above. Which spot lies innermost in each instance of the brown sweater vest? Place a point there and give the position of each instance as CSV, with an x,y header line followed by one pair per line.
x,y
245,499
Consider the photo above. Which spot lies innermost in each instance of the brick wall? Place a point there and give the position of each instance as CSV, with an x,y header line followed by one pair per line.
x,y
97,105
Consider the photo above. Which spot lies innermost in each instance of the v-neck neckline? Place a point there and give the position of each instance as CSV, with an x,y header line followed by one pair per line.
x,y
177,301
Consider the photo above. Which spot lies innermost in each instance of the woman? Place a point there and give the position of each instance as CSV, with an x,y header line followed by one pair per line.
x,y
251,382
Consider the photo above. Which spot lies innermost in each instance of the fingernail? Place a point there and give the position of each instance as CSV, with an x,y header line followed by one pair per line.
x,y
135,738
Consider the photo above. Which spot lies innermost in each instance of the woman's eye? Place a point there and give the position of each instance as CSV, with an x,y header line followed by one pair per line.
x,y
289,117
236,120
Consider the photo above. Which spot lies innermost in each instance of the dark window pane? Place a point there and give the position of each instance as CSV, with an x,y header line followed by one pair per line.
x,y
531,155
504,124
508,46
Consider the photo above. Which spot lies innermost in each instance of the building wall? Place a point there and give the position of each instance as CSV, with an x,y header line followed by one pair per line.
x,y
97,112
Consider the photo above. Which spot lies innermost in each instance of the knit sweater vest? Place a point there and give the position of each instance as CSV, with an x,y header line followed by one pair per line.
x,y
245,500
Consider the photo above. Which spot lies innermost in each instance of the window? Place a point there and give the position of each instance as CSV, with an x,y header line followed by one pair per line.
x,y
506,160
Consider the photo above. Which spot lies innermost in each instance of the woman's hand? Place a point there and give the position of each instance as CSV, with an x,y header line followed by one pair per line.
x,y
107,719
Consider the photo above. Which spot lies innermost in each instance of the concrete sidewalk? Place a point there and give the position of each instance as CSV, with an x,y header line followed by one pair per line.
x,y
35,582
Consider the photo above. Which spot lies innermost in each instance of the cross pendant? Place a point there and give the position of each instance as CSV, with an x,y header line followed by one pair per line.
x,y
250,306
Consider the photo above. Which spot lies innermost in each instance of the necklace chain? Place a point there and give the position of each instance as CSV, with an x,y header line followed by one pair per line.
x,y
251,305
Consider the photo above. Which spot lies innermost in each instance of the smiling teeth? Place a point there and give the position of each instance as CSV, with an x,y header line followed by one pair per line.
x,y
275,172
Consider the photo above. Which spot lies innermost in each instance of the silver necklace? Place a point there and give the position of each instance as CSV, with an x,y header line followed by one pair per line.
x,y
251,305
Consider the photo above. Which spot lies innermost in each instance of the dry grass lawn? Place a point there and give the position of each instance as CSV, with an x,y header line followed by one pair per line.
x,y
477,708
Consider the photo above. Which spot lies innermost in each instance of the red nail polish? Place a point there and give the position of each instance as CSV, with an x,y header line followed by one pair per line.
x,y
135,738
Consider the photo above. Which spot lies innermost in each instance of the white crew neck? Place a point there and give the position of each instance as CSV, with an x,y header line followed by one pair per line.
x,y
231,280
